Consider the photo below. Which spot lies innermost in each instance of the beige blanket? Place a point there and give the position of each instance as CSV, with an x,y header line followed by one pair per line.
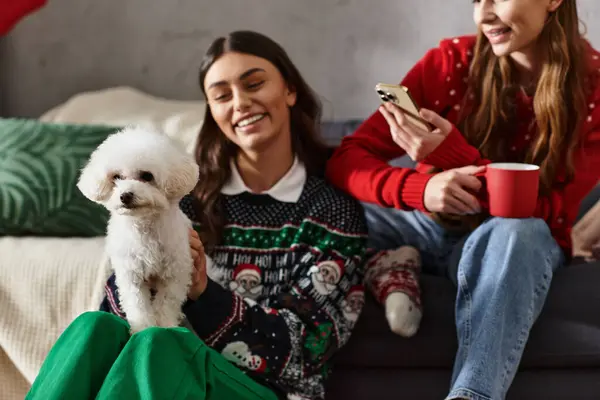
x,y
44,284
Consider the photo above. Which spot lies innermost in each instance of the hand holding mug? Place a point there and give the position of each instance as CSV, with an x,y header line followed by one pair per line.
x,y
511,190
452,191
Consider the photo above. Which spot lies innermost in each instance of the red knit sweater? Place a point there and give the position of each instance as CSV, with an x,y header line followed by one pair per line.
x,y
438,82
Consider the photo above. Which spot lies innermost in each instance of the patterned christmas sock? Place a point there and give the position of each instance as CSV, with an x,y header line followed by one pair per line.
x,y
393,278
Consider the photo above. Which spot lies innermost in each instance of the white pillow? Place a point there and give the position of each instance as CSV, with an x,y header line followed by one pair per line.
x,y
120,106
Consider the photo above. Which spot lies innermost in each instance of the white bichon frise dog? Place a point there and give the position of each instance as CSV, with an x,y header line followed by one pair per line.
x,y
140,176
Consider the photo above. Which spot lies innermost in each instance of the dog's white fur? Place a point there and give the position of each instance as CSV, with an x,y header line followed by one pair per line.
x,y
147,242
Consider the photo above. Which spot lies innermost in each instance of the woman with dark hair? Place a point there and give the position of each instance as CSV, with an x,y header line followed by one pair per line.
x,y
283,290
525,89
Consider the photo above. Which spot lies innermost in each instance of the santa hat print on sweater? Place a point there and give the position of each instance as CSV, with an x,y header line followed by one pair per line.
x,y
356,290
335,267
247,281
353,303
340,268
247,270
326,275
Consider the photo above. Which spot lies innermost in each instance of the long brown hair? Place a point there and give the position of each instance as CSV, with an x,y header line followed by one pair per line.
x,y
214,151
559,101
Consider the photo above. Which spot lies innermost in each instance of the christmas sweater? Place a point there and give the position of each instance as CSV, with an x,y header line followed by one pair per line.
x,y
439,82
285,286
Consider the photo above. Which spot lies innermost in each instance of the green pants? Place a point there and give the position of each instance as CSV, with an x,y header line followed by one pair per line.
x,y
96,358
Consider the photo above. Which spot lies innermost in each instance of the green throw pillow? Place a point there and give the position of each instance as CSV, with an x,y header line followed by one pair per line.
x,y
39,167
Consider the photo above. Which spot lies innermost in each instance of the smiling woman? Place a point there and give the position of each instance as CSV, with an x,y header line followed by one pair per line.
x,y
250,102
285,288
260,111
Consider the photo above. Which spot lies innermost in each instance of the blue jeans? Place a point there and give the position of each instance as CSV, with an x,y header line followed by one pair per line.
x,y
502,271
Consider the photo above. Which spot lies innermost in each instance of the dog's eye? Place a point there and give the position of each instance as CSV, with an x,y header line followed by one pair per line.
x,y
146,176
116,177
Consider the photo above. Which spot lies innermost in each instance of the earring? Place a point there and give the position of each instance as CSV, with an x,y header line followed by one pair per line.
x,y
550,17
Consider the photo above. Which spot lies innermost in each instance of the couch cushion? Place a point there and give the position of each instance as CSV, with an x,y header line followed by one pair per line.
x,y
39,168
428,384
334,131
567,333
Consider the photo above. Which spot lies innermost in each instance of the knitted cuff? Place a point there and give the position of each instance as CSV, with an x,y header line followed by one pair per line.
x,y
453,152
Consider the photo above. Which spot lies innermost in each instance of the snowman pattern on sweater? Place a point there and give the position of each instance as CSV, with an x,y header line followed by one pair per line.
x,y
240,354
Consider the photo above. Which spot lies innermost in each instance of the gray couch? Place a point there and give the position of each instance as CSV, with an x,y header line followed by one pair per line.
x,y
561,360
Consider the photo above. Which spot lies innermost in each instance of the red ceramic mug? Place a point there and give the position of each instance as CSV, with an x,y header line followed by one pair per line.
x,y
512,189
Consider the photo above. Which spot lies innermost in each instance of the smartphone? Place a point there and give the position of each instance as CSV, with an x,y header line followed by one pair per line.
x,y
400,96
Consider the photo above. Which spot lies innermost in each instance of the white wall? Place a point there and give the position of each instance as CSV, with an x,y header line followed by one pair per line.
x,y
343,47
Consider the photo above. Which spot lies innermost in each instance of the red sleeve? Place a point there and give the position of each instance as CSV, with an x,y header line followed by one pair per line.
x,y
360,166
455,152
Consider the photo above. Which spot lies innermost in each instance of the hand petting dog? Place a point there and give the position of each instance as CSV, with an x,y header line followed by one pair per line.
x,y
199,277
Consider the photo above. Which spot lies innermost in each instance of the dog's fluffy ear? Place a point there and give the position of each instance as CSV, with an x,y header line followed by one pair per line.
x,y
183,178
94,183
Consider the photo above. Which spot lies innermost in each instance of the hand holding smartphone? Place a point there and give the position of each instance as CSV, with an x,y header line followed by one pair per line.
x,y
400,96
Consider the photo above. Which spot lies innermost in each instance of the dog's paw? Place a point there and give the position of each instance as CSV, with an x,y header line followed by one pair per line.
x,y
170,323
170,319
139,324
136,328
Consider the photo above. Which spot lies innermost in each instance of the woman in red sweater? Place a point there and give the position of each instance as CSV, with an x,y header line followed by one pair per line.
x,y
524,89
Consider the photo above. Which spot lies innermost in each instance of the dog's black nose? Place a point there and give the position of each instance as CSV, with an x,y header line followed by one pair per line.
x,y
127,198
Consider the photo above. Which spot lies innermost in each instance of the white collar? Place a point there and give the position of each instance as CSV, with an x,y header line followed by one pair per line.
x,y
288,189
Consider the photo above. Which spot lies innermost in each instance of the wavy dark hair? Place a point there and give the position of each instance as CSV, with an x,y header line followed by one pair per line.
x,y
214,151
